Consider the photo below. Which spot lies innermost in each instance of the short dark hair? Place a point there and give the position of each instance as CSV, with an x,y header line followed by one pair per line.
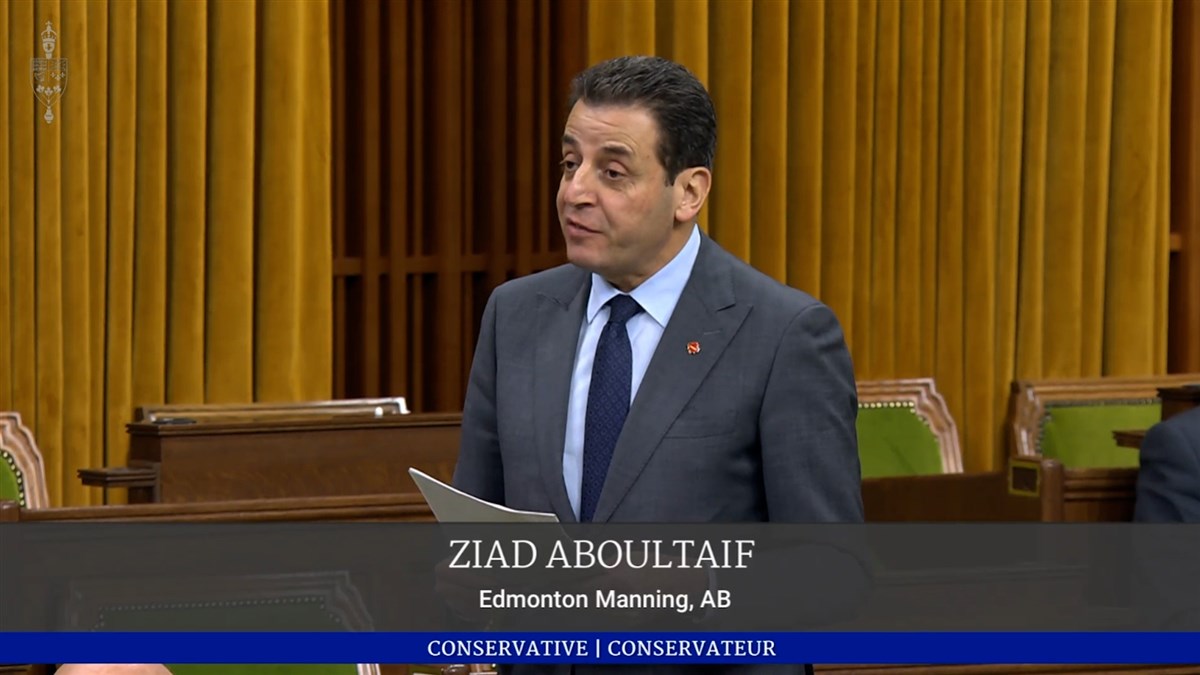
x,y
675,98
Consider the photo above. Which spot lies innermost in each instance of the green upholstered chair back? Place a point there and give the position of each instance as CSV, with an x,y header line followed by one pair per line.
x,y
22,478
1072,421
905,429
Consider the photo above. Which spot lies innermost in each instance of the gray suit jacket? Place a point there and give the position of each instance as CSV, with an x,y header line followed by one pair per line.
x,y
757,426
1168,484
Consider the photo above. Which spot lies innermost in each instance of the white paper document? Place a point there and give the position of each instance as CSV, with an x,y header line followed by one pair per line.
x,y
451,505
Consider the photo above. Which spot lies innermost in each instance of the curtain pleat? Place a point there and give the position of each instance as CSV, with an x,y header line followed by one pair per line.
x,y
150,207
120,176
880,305
292,147
6,300
314,323
166,237
768,137
977,188
48,280
187,34
1136,245
910,225
1010,114
730,82
79,443
229,253
805,145
98,256
22,117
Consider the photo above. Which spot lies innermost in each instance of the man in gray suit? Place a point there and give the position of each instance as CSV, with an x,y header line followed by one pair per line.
x,y
1168,485
656,378
716,395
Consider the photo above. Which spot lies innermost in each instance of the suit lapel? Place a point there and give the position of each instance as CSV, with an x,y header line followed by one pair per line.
x,y
706,313
559,318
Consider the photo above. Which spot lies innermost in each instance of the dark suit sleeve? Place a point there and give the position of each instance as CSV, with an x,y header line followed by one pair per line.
x,y
1168,483
807,425
479,470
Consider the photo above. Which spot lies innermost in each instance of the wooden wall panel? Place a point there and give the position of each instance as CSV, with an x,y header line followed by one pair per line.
x,y
446,116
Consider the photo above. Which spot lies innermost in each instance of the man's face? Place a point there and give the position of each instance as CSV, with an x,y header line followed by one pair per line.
x,y
617,212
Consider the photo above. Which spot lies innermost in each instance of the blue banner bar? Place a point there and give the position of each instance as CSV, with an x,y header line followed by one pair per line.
x,y
628,648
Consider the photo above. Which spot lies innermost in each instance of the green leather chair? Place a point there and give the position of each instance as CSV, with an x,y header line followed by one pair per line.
x,y
905,429
22,476
1073,420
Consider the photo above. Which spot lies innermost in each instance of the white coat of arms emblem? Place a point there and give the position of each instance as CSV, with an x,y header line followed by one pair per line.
x,y
49,74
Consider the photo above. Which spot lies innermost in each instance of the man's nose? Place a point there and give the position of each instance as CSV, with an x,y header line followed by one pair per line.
x,y
579,187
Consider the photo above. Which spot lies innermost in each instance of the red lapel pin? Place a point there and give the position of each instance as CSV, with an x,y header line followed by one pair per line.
x,y
693,348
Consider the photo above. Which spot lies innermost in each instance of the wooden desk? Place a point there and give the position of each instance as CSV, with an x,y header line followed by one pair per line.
x,y
402,507
1027,491
1174,401
326,458
1179,399
1130,439
276,458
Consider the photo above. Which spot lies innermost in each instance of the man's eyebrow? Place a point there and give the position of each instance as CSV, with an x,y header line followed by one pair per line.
x,y
611,148
618,149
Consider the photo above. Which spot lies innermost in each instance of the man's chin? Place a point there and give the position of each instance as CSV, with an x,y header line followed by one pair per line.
x,y
582,256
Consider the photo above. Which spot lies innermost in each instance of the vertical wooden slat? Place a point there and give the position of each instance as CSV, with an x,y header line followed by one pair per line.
x,y
337,25
447,99
416,246
399,96
1184,312
454,388
524,17
497,184
371,99
545,198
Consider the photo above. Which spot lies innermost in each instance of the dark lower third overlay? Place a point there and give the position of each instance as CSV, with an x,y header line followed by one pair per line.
x,y
394,578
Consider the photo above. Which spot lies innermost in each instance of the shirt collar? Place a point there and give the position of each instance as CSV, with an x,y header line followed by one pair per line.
x,y
657,295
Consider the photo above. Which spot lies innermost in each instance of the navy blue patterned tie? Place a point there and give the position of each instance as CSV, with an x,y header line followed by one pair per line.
x,y
608,401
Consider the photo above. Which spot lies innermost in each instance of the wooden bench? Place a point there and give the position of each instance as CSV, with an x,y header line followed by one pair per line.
x,y
905,429
226,456
22,473
1073,420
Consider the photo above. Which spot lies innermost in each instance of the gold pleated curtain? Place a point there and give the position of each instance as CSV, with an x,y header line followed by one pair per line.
x,y
166,236
977,188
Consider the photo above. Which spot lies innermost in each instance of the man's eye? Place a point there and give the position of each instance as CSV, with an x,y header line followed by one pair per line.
x,y
569,164
613,174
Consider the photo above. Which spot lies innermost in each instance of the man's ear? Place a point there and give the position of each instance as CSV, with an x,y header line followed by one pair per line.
x,y
691,187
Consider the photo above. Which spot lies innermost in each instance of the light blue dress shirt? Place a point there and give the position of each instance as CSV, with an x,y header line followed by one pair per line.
x,y
658,296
